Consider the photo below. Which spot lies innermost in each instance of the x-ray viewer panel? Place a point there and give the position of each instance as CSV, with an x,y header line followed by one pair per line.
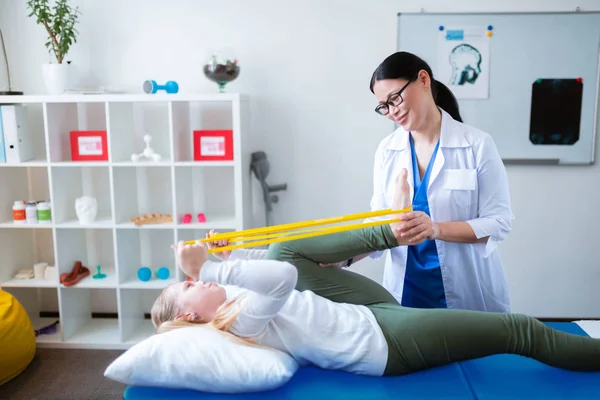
x,y
555,111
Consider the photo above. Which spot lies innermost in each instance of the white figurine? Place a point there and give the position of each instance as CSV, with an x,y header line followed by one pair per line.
x,y
86,208
148,152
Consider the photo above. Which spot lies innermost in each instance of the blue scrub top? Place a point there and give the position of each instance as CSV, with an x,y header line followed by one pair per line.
x,y
423,285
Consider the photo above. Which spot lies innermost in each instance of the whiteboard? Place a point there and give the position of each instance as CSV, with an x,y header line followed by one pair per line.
x,y
525,50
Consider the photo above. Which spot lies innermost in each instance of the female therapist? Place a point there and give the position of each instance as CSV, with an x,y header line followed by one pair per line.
x,y
461,201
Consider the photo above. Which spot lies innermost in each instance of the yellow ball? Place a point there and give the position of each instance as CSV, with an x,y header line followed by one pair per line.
x,y
489,33
17,338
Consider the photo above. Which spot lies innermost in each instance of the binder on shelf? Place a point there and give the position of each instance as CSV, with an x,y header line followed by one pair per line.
x,y
17,141
2,152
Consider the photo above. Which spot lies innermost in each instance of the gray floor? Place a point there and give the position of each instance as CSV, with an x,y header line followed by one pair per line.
x,y
57,374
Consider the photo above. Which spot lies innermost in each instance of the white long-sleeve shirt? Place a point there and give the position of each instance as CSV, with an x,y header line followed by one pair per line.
x,y
311,328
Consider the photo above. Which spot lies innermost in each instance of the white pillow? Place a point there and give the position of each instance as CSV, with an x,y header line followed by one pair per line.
x,y
200,358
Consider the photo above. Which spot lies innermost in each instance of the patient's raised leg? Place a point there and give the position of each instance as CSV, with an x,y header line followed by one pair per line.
x,y
342,285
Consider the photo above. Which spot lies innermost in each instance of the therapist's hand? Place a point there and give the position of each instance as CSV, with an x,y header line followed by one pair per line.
x,y
416,227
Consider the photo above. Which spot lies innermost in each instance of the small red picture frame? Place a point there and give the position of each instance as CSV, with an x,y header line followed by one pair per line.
x,y
213,145
89,146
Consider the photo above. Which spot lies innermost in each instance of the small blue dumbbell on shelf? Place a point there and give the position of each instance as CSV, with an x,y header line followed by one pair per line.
x,y
162,273
144,274
150,86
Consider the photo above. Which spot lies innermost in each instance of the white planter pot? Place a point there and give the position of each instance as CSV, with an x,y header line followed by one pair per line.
x,y
58,77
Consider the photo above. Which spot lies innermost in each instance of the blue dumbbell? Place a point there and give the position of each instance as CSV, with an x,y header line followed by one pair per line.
x,y
144,274
150,86
162,273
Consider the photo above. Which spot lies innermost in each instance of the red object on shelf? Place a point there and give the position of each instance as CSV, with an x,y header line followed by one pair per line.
x,y
213,145
187,218
201,218
89,146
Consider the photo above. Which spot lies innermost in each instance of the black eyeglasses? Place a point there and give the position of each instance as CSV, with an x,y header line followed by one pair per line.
x,y
395,99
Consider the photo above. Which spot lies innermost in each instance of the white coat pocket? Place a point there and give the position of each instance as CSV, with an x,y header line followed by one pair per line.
x,y
460,179
461,184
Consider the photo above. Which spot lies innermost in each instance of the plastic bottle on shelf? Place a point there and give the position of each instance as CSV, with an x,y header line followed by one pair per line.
x,y
31,212
43,212
19,212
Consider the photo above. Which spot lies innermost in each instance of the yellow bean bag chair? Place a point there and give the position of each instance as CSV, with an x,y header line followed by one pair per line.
x,y
17,338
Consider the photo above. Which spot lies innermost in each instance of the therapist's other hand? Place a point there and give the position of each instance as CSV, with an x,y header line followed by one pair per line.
x,y
416,228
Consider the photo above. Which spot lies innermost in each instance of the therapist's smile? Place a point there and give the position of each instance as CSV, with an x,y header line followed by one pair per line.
x,y
401,119
399,116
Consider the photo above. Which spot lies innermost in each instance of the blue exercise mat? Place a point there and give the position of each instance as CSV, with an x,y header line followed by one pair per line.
x,y
446,382
508,376
494,377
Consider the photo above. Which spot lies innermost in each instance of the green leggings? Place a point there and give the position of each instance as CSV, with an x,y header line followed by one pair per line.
x,y
424,338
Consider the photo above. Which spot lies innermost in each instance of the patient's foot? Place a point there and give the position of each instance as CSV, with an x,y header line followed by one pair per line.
x,y
401,195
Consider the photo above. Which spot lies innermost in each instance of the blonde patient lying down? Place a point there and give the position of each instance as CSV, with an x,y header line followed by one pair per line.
x,y
337,319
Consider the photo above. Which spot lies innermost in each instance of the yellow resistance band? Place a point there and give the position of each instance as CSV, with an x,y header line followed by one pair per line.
x,y
297,230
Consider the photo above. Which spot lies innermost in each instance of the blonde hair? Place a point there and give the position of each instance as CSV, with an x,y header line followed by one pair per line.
x,y
165,310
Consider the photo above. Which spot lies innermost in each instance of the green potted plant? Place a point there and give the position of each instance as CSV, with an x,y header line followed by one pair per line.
x,y
59,21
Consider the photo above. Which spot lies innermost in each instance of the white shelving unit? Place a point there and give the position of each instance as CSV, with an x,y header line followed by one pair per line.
x,y
112,313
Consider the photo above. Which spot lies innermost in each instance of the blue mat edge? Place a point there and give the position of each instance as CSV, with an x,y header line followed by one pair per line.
x,y
351,386
570,327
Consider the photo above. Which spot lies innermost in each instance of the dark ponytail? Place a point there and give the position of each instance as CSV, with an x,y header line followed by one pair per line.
x,y
404,65
445,99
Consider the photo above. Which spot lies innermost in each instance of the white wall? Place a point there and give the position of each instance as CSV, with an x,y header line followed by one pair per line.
x,y
306,65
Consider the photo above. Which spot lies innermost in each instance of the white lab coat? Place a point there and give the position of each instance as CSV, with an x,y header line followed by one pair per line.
x,y
468,183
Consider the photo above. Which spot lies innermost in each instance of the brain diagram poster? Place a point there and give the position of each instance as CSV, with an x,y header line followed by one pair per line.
x,y
464,61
